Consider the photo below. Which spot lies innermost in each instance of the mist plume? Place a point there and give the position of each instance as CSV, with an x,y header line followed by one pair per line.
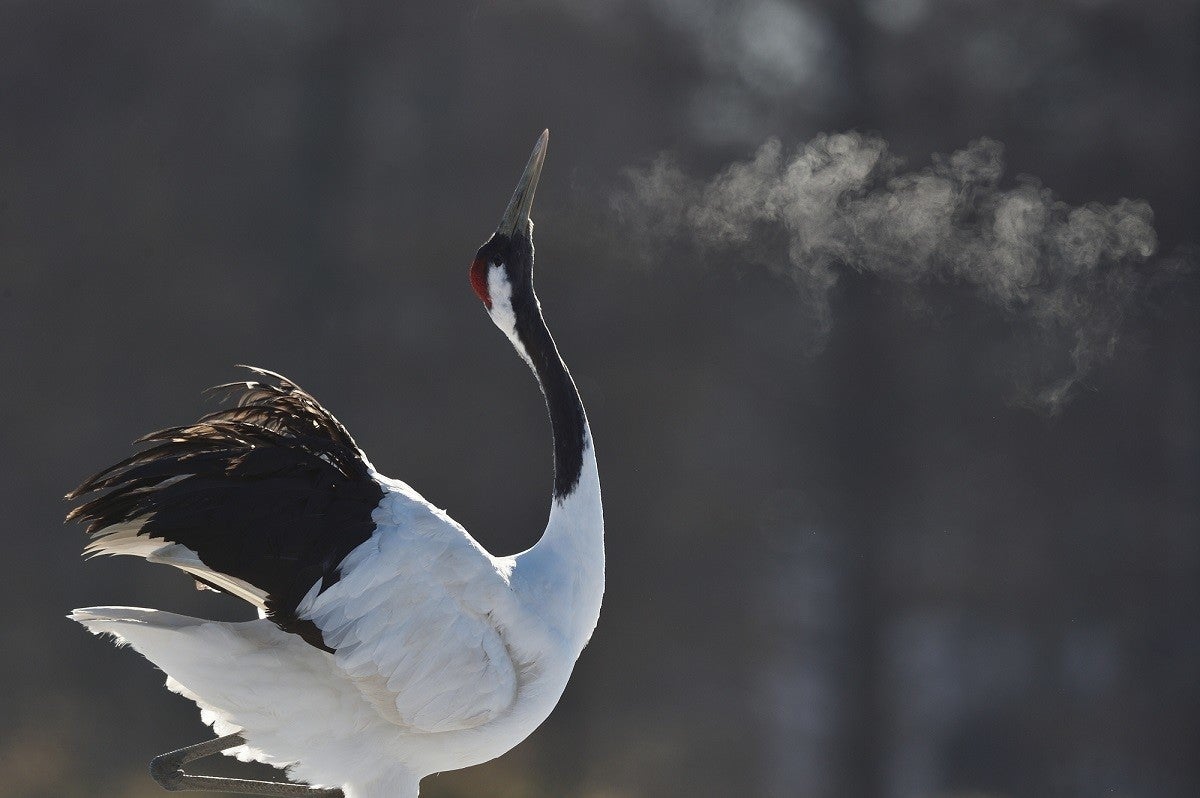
x,y
1068,274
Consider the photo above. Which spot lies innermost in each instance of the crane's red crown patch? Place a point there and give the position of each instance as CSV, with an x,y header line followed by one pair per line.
x,y
479,282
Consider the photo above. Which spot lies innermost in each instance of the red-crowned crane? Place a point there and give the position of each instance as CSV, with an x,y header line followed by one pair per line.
x,y
389,645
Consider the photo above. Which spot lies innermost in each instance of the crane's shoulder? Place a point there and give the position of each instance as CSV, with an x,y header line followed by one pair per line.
x,y
404,519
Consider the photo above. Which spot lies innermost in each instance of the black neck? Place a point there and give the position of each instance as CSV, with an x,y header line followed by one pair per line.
x,y
567,417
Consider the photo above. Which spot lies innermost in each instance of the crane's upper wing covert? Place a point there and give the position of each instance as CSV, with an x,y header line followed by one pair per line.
x,y
408,621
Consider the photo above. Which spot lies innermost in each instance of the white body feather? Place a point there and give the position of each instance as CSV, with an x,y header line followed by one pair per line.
x,y
446,656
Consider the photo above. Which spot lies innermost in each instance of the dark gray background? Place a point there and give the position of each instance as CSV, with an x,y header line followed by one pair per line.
x,y
860,572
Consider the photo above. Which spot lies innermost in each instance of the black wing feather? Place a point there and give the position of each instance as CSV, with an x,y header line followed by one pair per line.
x,y
272,491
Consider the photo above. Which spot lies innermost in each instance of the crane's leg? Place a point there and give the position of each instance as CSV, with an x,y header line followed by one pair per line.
x,y
167,770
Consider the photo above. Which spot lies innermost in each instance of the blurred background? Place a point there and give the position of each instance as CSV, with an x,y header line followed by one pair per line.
x,y
847,570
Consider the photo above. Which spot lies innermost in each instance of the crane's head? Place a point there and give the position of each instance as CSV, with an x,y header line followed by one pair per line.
x,y
502,272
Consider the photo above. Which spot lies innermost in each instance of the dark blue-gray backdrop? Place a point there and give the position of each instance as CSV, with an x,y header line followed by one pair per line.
x,y
843,564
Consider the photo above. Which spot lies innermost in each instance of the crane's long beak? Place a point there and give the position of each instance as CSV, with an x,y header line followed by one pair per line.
x,y
516,217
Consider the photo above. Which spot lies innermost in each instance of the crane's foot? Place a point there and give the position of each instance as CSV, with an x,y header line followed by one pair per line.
x,y
167,770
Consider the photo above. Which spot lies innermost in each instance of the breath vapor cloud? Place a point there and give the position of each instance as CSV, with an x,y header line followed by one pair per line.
x,y
843,201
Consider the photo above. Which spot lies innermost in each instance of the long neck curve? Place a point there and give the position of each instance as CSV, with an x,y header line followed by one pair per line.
x,y
572,437
563,574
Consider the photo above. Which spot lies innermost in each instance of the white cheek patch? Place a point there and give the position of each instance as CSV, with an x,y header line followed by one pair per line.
x,y
500,292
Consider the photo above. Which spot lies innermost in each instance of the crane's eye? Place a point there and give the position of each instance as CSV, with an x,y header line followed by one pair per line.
x,y
479,281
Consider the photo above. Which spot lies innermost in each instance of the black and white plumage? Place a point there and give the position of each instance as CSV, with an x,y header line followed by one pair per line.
x,y
390,645
262,500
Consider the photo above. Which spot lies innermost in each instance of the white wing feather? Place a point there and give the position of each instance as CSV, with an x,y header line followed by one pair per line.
x,y
410,619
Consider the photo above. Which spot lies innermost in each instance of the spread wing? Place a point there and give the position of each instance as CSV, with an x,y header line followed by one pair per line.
x,y
271,500
262,499
410,620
